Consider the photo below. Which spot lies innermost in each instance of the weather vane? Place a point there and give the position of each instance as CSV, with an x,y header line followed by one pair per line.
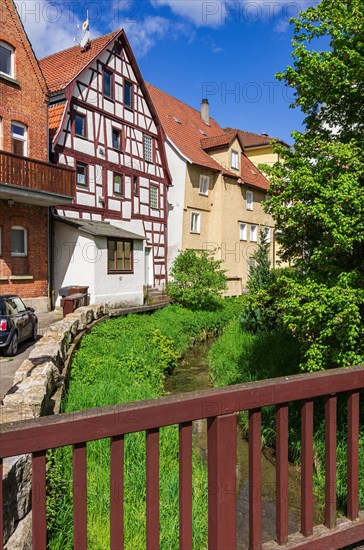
x,y
85,40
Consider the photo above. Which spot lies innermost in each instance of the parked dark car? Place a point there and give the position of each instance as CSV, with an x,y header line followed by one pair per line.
x,y
17,323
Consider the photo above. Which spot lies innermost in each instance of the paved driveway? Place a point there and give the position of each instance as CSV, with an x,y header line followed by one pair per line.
x,y
9,365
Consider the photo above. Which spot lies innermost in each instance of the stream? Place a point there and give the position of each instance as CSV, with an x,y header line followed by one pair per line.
x,y
193,374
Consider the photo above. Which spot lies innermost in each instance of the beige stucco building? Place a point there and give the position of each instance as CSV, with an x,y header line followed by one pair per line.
x,y
217,194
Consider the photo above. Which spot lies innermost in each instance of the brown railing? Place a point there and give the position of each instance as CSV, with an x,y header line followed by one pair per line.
x,y
220,408
37,175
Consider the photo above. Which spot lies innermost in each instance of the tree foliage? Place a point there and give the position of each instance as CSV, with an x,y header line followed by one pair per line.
x,y
317,193
197,279
259,271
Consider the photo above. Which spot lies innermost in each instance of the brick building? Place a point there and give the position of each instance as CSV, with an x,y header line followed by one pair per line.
x,y
29,185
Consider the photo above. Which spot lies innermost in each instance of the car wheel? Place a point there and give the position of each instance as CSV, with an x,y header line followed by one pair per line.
x,y
35,331
12,348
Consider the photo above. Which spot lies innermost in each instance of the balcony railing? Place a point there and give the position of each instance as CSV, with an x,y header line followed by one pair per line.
x,y
36,175
220,408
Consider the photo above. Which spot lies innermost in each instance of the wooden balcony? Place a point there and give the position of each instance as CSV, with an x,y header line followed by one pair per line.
x,y
27,180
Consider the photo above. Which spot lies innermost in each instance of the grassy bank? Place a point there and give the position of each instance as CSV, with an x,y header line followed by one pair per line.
x,y
124,360
239,357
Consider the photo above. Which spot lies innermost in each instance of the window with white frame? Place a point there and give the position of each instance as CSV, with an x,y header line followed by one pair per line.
x,y
6,59
249,200
19,138
243,231
235,160
148,148
195,222
254,233
19,241
204,184
154,197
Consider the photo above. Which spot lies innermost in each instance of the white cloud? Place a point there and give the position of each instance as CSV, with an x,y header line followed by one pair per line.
x,y
200,12
50,26
143,35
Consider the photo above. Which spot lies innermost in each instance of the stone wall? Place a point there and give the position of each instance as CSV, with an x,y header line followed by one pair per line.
x,y
37,391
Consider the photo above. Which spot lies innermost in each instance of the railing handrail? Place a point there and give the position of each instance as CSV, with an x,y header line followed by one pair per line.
x,y
42,162
40,434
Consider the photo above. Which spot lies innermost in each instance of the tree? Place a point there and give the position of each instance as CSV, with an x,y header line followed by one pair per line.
x,y
198,280
259,272
317,193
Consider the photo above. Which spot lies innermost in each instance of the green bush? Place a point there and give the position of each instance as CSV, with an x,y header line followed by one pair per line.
x,y
197,280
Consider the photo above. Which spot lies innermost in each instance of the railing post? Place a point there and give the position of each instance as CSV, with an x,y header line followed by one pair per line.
x,y
255,480
307,468
353,455
221,454
330,461
282,473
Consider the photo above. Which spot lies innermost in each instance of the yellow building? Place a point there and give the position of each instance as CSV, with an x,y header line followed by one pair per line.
x,y
217,194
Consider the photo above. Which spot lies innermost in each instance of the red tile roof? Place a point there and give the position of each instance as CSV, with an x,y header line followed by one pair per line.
x,y
62,67
185,128
183,125
249,139
251,175
218,141
55,114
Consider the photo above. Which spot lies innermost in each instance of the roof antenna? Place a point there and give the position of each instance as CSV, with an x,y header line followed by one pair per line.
x,y
84,43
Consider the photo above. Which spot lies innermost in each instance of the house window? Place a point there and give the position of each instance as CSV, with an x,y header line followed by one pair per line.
x,y
19,241
81,174
254,233
195,222
6,59
249,200
120,256
80,125
243,232
235,160
148,148
19,134
108,85
204,185
118,184
128,95
154,197
136,186
116,139
267,234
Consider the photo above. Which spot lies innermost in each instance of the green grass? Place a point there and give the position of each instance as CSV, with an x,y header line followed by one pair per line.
x,y
240,357
120,361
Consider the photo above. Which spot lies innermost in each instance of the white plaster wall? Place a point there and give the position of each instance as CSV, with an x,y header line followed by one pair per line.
x,y
70,266
175,200
81,260
119,289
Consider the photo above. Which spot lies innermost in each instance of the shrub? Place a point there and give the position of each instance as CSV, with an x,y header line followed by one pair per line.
x,y
198,280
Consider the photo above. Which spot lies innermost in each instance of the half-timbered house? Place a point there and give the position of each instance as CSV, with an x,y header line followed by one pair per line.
x,y
104,125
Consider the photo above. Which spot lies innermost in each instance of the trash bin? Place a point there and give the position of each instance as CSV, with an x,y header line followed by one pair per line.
x,y
73,297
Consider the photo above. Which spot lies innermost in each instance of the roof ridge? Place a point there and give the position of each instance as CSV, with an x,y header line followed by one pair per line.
x,y
77,46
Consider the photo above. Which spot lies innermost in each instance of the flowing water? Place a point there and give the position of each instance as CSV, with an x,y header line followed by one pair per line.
x,y
193,374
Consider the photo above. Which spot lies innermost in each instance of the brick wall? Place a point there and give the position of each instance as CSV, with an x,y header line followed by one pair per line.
x,y
26,100
35,264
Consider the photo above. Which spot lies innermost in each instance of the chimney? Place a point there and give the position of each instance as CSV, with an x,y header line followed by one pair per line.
x,y
205,111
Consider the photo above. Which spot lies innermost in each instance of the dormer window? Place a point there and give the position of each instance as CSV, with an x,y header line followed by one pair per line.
x,y
6,59
108,85
19,135
235,160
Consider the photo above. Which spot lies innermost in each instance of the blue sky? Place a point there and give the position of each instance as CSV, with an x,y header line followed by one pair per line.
x,y
226,51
